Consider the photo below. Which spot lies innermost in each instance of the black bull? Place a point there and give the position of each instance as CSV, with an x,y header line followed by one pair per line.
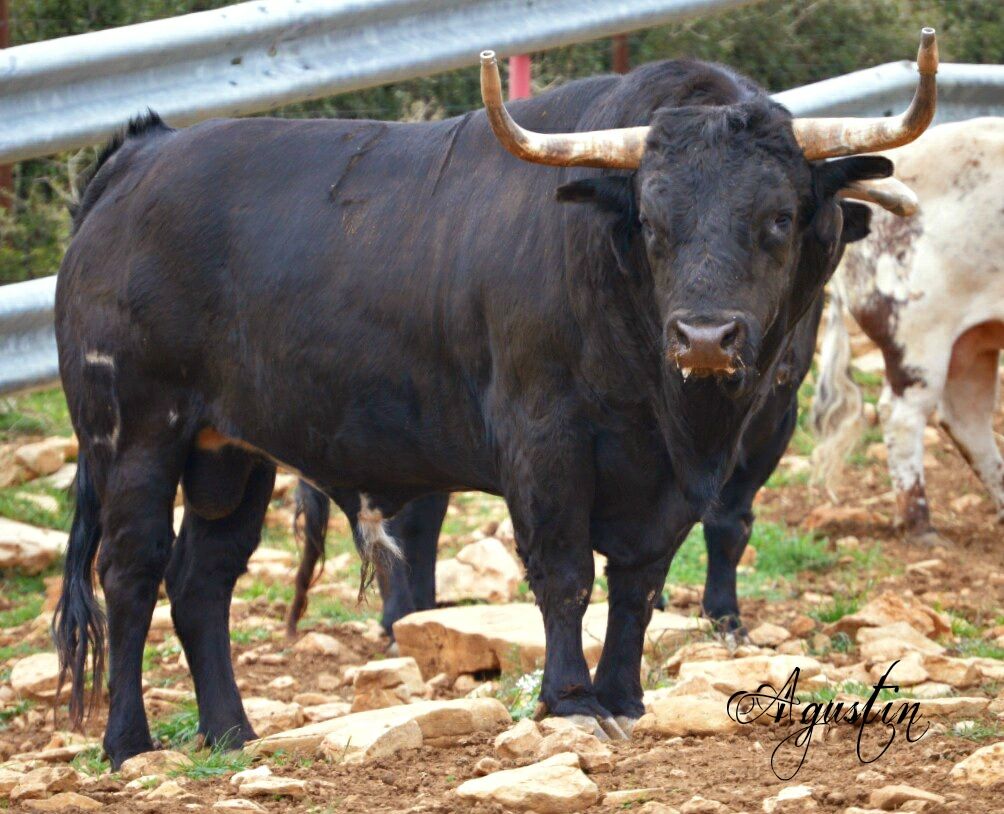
x,y
409,584
399,309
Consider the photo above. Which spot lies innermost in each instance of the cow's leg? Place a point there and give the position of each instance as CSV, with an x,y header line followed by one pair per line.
x,y
208,558
728,525
136,517
967,408
632,593
551,519
417,527
904,416
315,508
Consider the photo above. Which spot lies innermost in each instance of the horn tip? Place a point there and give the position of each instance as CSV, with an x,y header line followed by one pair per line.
x,y
927,54
487,57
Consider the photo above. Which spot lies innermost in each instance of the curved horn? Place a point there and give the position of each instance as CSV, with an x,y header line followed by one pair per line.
x,y
828,138
888,193
619,149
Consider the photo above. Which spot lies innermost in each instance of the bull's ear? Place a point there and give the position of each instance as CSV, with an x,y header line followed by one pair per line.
x,y
611,193
833,176
857,222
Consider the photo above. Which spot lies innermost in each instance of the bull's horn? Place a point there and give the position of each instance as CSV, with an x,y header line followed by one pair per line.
x,y
888,193
620,149
828,138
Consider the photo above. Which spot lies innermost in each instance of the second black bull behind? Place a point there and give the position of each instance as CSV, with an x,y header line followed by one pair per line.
x,y
402,309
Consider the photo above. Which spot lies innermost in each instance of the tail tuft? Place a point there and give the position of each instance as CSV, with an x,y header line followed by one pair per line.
x,y
377,549
836,415
78,626
314,507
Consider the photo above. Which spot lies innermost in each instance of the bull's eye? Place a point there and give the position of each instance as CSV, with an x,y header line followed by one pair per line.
x,y
782,222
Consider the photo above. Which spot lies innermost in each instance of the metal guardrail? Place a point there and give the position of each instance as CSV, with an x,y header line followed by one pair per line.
x,y
72,92
272,63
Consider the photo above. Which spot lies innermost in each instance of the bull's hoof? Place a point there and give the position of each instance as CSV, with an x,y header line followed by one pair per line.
x,y
929,538
603,727
626,724
734,639
393,650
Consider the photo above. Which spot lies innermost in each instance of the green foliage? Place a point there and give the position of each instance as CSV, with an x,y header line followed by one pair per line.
x,y
177,729
12,711
91,762
24,593
979,647
246,636
43,412
331,610
518,692
215,762
272,591
837,608
16,506
979,731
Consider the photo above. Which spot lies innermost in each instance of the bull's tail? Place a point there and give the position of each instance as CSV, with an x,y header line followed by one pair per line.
x,y
78,626
836,415
314,507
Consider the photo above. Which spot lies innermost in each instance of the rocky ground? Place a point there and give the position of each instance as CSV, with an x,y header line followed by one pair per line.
x,y
447,725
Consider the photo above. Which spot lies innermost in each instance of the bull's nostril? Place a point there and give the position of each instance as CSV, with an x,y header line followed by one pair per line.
x,y
730,337
682,338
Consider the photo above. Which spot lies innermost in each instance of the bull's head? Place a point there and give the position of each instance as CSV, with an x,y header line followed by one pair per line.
x,y
727,202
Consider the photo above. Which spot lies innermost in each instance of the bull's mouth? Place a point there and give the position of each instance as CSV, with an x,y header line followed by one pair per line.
x,y
706,372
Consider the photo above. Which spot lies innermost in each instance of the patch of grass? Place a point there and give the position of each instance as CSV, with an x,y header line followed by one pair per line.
x,y
43,412
979,648
837,608
11,711
980,731
331,610
209,763
246,636
964,629
519,692
26,595
781,478
783,552
179,728
271,591
15,506
19,651
91,762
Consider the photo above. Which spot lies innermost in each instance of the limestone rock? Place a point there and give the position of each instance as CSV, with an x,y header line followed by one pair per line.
x,y
768,635
171,790
440,723
594,756
273,786
889,798
750,672
36,676
268,716
828,515
45,457
239,804
371,741
250,774
476,638
887,609
519,742
386,683
696,651
908,636
702,805
688,715
487,765
159,761
325,712
43,782
907,671
625,797
62,478
482,570
984,767
29,548
320,644
64,801
793,799
553,786
954,706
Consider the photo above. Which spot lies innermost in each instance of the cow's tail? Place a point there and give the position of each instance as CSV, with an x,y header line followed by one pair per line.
x,y
313,508
836,415
78,626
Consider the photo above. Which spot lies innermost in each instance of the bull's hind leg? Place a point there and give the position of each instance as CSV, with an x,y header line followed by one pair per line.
x,y
226,500
967,408
136,518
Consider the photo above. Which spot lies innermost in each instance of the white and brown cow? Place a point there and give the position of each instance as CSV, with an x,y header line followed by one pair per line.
x,y
929,291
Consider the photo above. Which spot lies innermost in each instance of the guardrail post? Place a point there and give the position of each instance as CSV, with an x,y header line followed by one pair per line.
x,y
6,179
519,77
620,54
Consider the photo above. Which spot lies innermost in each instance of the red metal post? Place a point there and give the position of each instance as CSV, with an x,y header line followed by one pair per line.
x,y
621,54
6,179
519,77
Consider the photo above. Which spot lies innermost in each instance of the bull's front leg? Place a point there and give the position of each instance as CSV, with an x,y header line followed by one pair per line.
x,y
550,503
633,590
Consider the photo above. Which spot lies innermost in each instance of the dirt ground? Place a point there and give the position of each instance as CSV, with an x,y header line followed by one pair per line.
x,y
733,770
